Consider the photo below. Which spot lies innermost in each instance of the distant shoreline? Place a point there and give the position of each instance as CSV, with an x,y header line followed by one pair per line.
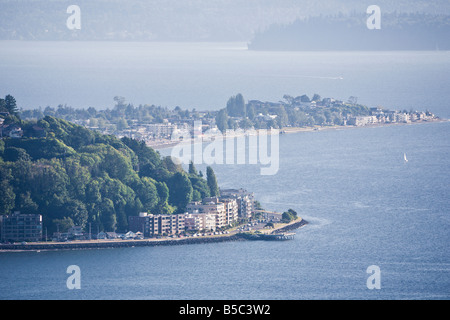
x,y
169,144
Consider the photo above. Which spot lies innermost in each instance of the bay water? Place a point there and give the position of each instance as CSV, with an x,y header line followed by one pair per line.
x,y
365,206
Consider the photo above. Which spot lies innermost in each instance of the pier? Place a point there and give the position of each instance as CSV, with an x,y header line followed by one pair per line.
x,y
268,237
278,236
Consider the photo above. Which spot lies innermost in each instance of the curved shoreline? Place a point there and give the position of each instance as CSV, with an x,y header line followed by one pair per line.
x,y
94,244
289,130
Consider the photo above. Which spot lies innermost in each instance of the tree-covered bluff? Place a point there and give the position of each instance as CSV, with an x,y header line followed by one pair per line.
x,y
398,31
75,176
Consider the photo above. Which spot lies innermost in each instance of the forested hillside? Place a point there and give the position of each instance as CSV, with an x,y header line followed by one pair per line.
x,y
350,32
175,20
74,176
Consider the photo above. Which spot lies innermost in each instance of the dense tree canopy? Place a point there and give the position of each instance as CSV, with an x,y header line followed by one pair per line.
x,y
74,176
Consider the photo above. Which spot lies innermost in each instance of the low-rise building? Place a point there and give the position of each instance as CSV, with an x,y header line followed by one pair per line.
x,y
152,225
19,227
362,121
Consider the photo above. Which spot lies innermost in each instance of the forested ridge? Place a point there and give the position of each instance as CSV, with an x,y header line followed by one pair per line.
x,y
75,176
398,31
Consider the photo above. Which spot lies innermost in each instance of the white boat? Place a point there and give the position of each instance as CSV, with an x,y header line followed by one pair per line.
x,y
404,157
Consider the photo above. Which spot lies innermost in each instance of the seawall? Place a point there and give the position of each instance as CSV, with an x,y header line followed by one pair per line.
x,y
104,244
114,243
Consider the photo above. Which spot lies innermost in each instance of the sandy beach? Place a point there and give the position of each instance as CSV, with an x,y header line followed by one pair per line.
x,y
166,144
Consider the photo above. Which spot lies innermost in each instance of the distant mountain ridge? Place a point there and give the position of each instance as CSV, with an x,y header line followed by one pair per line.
x,y
175,20
398,32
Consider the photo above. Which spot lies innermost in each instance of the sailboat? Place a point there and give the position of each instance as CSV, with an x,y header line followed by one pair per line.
x,y
404,157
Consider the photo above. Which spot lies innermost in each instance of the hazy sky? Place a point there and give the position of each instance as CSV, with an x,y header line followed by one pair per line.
x,y
229,20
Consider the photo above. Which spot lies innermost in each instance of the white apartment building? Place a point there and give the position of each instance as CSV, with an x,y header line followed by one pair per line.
x,y
200,221
245,201
214,208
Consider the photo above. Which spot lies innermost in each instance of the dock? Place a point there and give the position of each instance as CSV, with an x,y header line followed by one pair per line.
x,y
278,236
268,237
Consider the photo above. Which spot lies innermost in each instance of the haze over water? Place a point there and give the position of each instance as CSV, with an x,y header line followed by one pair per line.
x,y
205,75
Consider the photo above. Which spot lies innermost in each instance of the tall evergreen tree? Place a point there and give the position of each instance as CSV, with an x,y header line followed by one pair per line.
x,y
212,182
11,105
192,169
222,120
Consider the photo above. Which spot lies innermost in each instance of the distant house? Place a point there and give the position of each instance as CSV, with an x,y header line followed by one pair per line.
x,y
129,235
75,232
12,131
102,235
111,235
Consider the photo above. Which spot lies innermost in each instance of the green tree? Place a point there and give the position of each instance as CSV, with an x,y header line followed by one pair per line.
x,y
25,204
63,225
122,124
11,106
212,182
289,216
201,187
108,215
180,191
282,117
251,112
8,196
236,106
316,97
192,169
305,98
222,120
15,154
241,109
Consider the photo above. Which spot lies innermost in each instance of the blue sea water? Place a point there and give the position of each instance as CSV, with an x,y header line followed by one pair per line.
x,y
364,204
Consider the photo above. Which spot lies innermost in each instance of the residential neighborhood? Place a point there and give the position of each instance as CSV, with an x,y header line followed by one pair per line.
x,y
161,126
210,216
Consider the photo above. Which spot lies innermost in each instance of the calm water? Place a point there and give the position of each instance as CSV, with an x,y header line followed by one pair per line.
x,y
205,75
365,207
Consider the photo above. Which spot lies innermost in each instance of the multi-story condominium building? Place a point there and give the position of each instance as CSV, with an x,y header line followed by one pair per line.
x,y
153,225
245,201
210,206
164,130
362,121
231,208
200,221
21,227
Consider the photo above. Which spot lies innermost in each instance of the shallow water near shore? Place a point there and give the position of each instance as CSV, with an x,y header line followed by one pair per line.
x,y
365,206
